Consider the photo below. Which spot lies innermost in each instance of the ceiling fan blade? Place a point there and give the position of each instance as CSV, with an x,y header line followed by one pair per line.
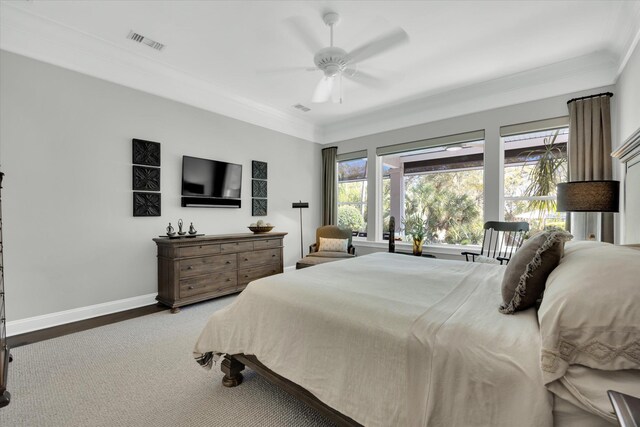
x,y
378,45
365,79
285,70
323,90
336,92
300,27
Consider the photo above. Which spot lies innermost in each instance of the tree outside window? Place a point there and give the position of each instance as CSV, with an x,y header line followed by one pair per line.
x,y
535,163
352,195
443,185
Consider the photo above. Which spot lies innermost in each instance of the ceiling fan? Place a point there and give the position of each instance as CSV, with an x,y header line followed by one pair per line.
x,y
336,63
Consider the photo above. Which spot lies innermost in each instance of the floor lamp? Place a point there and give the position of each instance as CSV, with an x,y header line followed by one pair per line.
x,y
589,196
300,205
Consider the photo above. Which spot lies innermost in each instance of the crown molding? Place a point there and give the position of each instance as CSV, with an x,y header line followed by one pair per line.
x,y
629,34
573,75
33,36
629,52
42,39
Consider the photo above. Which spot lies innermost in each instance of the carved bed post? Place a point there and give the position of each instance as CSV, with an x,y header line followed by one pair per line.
x,y
232,371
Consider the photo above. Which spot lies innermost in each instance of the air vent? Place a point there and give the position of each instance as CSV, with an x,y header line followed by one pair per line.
x,y
302,107
146,40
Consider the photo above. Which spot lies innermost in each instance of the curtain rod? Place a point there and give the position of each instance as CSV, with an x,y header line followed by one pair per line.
x,y
590,96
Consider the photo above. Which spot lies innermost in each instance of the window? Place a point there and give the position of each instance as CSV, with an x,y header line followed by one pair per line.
x,y
535,163
443,185
352,195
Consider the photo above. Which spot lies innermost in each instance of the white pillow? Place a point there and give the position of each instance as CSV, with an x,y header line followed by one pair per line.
x,y
333,245
486,260
590,312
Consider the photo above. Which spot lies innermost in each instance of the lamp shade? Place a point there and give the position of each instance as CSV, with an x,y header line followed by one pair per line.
x,y
589,196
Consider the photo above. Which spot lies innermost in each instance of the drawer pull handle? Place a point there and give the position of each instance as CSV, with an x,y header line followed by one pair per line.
x,y
273,255
190,267
228,262
190,287
246,259
246,275
228,280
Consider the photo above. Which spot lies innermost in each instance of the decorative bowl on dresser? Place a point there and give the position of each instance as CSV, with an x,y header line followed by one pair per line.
x,y
200,268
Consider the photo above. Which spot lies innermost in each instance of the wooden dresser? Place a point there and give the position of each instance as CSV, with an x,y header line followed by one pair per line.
x,y
200,268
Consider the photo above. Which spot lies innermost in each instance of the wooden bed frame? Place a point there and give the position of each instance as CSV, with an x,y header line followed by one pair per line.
x,y
232,367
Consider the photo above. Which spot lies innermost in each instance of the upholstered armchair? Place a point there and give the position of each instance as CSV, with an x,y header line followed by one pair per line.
x,y
332,232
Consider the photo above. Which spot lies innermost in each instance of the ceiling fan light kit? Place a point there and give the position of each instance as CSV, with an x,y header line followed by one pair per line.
x,y
336,62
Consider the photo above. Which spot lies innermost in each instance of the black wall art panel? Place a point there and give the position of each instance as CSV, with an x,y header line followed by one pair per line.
x,y
146,152
146,179
146,204
258,170
259,207
259,188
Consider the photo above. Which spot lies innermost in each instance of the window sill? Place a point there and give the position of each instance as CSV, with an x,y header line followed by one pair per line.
x,y
448,250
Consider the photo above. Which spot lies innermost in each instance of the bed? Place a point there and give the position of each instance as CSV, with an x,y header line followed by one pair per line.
x,y
387,339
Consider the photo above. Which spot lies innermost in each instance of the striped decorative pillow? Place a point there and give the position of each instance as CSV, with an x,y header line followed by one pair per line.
x,y
333,245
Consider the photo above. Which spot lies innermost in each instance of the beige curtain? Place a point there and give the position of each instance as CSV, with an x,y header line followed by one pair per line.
x,y
329,186
589,149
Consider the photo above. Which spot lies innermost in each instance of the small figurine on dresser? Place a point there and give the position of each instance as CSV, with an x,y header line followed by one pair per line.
x,y
180,232
170,230
192,229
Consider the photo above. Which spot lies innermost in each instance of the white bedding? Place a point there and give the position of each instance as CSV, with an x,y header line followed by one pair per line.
x,y
393,340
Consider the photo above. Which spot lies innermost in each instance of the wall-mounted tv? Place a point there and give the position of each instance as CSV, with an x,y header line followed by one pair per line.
x,y
210,183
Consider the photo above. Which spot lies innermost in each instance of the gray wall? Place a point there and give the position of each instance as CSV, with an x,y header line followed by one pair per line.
x,y
628,97
65,146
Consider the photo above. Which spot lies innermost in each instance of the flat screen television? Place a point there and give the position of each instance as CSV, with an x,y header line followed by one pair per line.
x,y
210,178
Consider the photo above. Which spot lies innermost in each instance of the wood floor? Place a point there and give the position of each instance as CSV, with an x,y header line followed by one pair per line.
x,y
82,325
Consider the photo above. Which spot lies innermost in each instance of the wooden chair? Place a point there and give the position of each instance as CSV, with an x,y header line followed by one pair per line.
x,y
392,234
500,241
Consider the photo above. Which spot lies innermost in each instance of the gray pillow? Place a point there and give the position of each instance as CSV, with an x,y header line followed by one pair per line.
x,y
526,274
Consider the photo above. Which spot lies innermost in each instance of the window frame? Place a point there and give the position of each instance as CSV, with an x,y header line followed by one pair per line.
x,y
438,142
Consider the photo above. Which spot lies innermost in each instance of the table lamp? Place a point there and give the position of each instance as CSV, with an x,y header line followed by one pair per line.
x,y
589,196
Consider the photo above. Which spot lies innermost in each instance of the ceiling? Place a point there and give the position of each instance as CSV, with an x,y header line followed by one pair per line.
x,y
238,58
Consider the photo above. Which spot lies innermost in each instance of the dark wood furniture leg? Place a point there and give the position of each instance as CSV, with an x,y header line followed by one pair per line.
x,y
232,371
283,383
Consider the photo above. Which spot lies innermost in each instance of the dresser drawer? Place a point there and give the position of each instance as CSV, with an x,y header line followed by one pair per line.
x,y
266,244
197,250
203,265
267,256
216,282
247,275
236,247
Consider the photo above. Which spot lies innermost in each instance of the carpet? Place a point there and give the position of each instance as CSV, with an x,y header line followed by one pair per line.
x,y
140,372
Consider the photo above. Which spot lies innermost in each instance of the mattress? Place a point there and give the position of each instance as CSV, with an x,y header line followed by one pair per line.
x,y
388,339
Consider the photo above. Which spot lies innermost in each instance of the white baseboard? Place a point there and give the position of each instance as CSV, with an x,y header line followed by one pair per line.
x,y
289,268
30,324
